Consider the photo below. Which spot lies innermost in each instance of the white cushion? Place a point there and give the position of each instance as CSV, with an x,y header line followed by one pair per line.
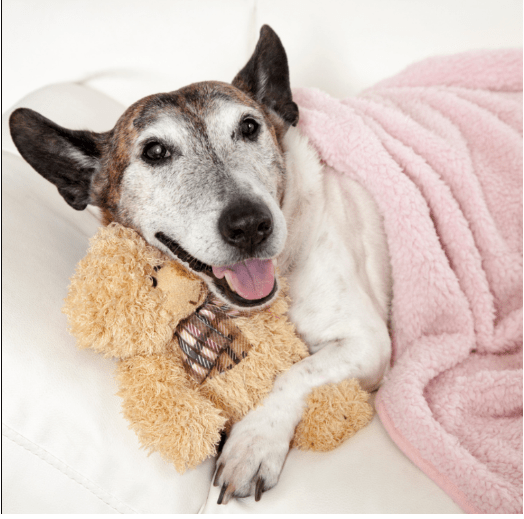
x,y
68,446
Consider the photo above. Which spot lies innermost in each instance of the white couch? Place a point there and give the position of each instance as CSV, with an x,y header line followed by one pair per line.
x,y
66,447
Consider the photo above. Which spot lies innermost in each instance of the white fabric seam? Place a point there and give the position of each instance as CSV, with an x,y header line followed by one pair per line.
x,y
65,469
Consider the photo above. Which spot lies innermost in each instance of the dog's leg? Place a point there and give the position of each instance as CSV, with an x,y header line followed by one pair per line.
x,y
254,453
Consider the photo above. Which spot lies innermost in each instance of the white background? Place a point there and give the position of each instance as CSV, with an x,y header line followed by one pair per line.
x,y
131,48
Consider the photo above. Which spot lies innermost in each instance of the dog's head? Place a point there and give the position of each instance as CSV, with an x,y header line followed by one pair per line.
x,y
198,172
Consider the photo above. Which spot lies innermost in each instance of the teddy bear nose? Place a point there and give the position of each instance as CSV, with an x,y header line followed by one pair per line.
x,y
245,224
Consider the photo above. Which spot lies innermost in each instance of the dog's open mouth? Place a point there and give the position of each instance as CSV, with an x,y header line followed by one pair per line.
x,y
249,283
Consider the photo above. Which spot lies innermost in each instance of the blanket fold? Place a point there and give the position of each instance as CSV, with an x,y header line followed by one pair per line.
x,y
439,147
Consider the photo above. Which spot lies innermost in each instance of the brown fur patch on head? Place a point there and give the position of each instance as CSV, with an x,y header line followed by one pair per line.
x,y
194,100
106,185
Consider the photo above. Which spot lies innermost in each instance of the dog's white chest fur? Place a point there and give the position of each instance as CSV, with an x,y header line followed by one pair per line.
x,y
336,259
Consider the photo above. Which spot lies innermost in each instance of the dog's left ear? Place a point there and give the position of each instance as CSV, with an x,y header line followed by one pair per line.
x,y
67,158
265,77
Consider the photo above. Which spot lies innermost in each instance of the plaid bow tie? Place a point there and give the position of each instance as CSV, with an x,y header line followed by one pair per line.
x,y
210,341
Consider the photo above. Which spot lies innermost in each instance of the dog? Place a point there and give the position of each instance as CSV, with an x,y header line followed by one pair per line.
x,y
218,176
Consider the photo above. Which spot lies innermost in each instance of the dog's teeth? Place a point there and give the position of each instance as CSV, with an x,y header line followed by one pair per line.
x,y
230,284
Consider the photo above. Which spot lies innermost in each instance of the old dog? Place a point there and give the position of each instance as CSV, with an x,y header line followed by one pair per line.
x,y
218,176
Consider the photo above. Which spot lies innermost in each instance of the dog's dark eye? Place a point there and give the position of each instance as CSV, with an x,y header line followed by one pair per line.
x,y
155,151
249,128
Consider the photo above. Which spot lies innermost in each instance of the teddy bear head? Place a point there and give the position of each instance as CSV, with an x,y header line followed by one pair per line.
x,y
126,297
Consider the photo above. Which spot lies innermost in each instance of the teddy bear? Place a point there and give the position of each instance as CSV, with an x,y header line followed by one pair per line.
x,y
189,366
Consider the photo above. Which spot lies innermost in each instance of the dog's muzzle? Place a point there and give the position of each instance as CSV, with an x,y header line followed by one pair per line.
x,y
248,283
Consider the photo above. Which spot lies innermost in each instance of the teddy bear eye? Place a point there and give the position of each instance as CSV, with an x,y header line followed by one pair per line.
x,y
154,151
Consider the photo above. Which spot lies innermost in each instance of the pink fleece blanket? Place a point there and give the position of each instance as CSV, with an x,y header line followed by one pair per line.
x,y
440,148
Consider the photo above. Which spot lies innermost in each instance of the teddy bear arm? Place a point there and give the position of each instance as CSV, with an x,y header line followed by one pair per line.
x,y
334,413
166,413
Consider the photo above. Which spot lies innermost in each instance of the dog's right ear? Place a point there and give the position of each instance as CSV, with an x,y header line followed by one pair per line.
x,y
67,158
265,78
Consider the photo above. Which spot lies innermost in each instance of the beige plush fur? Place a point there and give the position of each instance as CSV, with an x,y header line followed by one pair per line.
x,y
114,307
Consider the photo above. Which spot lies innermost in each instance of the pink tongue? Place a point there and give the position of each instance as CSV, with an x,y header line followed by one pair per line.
x,y
251,279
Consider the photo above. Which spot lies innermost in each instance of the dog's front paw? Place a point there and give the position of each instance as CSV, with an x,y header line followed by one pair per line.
x,y
252,457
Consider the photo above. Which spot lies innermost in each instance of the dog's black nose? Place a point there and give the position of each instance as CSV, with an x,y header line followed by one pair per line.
x,y
245,224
